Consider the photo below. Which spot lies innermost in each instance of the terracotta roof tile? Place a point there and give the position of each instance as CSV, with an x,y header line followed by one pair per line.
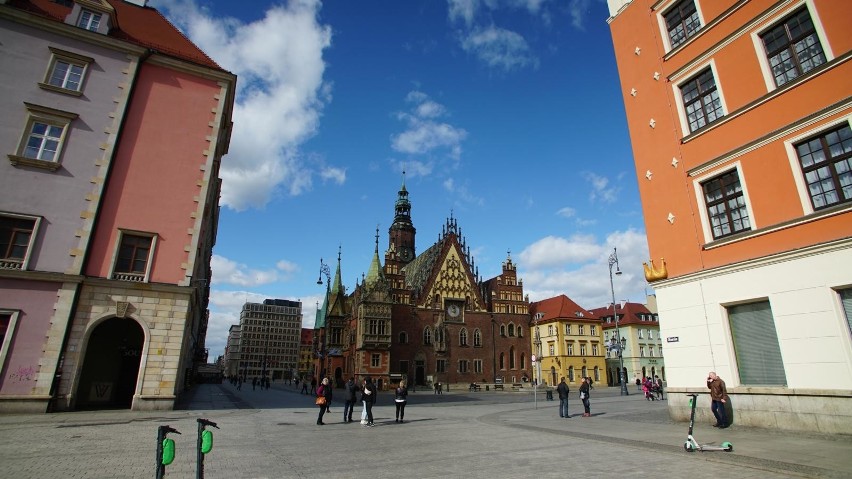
x,y
561,307
143,26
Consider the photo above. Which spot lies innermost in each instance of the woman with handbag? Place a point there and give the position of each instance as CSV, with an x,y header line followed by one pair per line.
x,y
584,396
400,398
323,397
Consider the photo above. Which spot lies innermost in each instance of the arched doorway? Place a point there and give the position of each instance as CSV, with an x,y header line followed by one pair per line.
x,y
553,375
111,365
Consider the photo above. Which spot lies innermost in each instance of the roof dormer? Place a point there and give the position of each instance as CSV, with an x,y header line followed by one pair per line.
x,y
94,15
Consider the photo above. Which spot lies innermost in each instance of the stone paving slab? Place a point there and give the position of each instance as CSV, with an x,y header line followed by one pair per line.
x,y
272,434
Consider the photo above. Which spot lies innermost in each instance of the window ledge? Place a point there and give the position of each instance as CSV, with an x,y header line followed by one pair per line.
x,y
59,89
23,160
815,216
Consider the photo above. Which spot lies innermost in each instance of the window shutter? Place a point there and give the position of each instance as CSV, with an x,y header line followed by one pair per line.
x,y
756,345
846,299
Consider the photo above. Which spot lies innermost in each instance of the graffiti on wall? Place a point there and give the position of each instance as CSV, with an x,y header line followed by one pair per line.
x,y
23,374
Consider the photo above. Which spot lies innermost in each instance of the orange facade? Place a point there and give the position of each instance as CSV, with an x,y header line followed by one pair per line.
x,y
758,124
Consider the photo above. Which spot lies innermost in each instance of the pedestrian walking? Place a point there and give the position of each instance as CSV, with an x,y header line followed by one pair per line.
x,y
658,387
304,386
563,392
400,399
349,405
584,396
639,384
369,398
313,385
719,398
330,395
323,398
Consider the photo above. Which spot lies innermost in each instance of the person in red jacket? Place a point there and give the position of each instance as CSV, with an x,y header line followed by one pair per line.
x,y
719,396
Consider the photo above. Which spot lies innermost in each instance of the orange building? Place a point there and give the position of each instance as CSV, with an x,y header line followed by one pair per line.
x,y
739,116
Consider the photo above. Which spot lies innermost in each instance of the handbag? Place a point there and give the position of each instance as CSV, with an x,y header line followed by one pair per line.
x,y
320,401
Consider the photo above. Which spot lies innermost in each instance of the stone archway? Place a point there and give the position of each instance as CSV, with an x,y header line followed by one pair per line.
x,y
111,366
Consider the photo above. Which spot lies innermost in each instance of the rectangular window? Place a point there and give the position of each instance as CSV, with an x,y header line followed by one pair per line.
x,y
89,20
43,138
594,350
8,321
551,348
651,351
682,22
441,366
462,366
550,330
581,330
477,365
793,47
375,360
593,330
570,349
641,351
133,259
756,345
16,240
826,162
582,350
567,329
701,100
66,72
641,333
846,300
726,207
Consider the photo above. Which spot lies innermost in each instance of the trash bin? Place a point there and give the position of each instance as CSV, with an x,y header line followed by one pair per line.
x,y
486,387
550,395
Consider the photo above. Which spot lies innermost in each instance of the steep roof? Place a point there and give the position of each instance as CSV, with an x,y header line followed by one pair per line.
x,y
561,307
628,313
143,26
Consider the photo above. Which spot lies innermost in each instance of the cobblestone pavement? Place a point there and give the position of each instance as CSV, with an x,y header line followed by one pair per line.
x,y
273,434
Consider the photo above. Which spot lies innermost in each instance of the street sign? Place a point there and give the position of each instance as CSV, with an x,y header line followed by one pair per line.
x,y
672,339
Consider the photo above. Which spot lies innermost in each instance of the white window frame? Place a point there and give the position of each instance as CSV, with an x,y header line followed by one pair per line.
x,y
24,264
121,233
93,16
48,116
10,332
760,51
664,30
702,204
477,366
70,58
677,94
795,165
375,360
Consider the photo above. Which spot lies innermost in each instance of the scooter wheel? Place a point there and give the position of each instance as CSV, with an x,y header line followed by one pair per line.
x,y
728,446
688,447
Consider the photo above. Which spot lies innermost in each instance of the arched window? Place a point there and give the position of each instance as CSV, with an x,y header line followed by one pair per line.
x,y
511,330
570,374
403,338
427,335
597,374
584,371
512,357
502,330
477,338
523,361
502,361
463,337
520,332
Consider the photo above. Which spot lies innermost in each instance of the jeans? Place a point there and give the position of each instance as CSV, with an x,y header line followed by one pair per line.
x,y
369,406
348,406
400,410
363,410
718,408
586,405
563,407
321,413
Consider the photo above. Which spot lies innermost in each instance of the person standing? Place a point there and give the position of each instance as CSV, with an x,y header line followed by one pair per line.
x,y
400,399
349,405
324,391
304,386
584,396
719,398
563,392
313,385
369,397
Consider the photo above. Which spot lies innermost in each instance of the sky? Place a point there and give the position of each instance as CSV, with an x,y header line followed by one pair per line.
x,y
505,114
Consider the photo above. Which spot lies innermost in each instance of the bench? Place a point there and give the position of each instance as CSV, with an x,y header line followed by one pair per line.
x,y
517,386
474,387
498,386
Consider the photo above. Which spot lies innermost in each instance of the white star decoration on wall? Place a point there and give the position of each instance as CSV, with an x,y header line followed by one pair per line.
x,y
648,174
674,162
671,218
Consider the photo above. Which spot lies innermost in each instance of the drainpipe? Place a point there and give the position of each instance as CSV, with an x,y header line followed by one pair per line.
x,y
57,375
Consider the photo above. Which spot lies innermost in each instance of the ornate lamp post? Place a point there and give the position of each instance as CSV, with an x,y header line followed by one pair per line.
x,y
324,270
537,359
619,342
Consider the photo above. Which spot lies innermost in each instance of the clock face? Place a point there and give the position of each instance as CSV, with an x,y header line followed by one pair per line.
x,y
453,310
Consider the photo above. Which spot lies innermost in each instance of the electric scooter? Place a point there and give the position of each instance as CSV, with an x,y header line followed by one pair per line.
x,y
691,445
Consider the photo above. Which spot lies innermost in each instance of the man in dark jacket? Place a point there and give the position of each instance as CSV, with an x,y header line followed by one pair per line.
x,y
349,405
562,389
719,396
369,398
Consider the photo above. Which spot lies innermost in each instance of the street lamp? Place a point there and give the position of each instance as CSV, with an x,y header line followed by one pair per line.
x,y
324,270
493,350
620,344
537,359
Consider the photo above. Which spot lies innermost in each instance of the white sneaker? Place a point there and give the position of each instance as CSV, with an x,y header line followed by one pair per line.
x,y
363,422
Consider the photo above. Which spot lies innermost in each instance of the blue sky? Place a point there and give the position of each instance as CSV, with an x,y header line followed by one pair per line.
x,y
506,114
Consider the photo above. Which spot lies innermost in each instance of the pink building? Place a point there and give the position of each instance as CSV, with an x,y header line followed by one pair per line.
x,y
114,312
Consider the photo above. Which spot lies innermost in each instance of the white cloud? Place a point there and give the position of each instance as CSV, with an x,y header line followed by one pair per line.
x,y
498,47
601,189
578,10
337,175
464,10
567,212
226,271
423,134
280,97
578,267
